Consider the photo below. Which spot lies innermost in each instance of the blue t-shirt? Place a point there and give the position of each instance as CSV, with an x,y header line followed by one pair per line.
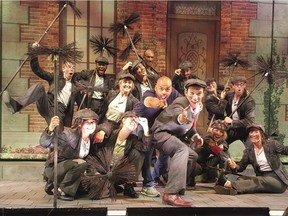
x,y
151,113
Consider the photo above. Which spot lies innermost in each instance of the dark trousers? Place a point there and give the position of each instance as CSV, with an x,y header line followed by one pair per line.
x,y
259,184
68,176
36,93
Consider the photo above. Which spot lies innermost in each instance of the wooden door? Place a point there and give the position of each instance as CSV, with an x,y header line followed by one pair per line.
x,y
198,42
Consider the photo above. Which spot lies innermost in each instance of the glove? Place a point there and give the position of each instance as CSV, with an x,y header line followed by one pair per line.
x,y
144,123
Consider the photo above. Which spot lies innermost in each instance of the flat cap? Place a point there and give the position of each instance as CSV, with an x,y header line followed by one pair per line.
x,y
102,59
195,82
125,75
219,124
254,125
135,65
129,114
209,81
239,79
185,64
86,114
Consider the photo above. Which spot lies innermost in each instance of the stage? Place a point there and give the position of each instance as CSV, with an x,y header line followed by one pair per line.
x,y
17,195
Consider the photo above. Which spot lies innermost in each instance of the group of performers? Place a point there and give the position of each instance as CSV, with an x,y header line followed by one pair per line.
x,y
120,125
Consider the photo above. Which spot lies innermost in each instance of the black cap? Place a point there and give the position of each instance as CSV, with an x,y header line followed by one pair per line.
x,y
129,114
195,82
185,64
101,59
135,65
86,114
254,125
126,76
239,78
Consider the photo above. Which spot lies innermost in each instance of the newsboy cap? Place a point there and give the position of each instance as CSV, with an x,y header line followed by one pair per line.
x,y
195,82
125,75
129,114
239,79
86,114
101,59
254,125
185,64
135,65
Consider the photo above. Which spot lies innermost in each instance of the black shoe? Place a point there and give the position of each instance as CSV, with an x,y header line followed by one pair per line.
x,y
223,190
119,188
222,178
65,197
48,187
129,191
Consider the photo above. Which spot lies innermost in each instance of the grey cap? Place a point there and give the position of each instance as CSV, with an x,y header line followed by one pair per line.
x,y
185,64
195,82
135,65
86,114
239,78
102,59
129,114
126,76
254,125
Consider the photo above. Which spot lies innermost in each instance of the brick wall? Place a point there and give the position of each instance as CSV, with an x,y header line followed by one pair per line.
x,y
41,14
235,20
152,26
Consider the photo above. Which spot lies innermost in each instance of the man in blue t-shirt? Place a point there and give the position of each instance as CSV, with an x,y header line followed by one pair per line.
x,y
150,106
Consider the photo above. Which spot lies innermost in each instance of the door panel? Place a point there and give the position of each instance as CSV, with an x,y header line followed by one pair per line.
x,y
196,41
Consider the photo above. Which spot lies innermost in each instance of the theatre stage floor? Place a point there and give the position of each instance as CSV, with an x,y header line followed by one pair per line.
x,y
30,194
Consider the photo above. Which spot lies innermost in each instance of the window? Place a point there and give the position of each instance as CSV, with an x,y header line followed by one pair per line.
x,y
95,20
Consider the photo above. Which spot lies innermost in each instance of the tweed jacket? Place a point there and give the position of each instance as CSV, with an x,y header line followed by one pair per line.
x,y
272,150
167,121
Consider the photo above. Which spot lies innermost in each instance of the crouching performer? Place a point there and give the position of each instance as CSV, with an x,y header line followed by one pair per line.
x,y
170,126
73,147
117,163
263,154
214,150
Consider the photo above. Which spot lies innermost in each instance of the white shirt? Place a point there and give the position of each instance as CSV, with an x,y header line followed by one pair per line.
x,y
262,161
116,108
84,148
65,93
235,116
99,83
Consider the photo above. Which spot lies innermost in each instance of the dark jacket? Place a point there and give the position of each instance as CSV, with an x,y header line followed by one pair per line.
x,y
137,90
68,141
131,102
215,106
89,76
178,82
246,111
49,77
272,150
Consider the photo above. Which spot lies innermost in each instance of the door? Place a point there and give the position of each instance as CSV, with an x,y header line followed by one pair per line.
x,y
198,42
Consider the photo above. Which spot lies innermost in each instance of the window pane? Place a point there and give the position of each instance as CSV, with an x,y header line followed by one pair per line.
x,y
95,13
108,13
82,6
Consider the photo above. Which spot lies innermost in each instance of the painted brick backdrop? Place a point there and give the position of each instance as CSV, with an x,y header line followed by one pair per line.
x,y
235,17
